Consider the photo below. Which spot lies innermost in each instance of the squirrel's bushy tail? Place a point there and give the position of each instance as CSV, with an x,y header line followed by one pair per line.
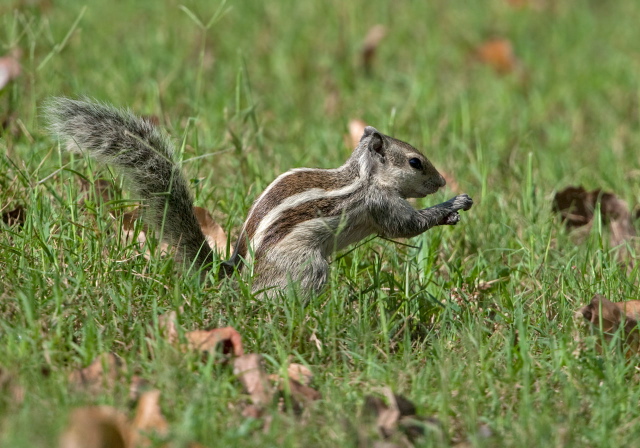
x,y
144,155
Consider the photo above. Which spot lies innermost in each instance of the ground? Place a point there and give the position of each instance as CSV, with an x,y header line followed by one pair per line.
x,y
513,100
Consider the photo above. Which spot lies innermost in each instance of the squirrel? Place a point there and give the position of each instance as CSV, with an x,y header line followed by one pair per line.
x,y
299,220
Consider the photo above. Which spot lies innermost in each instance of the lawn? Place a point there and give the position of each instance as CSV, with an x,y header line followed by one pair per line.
x,y
474,323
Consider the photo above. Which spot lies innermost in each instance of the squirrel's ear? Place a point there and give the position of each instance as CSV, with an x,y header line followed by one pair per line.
x,y
368,131
376,142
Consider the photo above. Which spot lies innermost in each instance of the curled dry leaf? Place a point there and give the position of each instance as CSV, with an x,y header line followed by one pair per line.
x,y
168,326
296,386
610,317
397,414
300,373
97,427
14,217
498,54
576,207
102,373
10,390
209,340
138,387
300,394
105,426
128,231
370,45
250,371
148,419
213,231
356,129
9,68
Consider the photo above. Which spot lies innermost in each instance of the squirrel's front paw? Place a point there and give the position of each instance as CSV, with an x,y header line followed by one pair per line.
x,y
462,202
451,219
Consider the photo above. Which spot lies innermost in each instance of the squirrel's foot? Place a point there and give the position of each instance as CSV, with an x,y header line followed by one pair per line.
x,y
462,202
451,219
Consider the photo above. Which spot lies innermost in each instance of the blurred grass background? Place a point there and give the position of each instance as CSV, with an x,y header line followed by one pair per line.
x,y
272,86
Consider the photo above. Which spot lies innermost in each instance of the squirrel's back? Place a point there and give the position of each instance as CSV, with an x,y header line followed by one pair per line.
x,y
145,156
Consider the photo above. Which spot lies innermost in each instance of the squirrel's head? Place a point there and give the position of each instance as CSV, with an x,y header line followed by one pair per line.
x,y
398,165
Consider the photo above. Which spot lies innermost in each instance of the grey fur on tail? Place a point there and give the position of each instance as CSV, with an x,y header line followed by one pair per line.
x,y
145,156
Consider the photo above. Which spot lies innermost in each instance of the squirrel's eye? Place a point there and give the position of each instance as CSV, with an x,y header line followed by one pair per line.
x,y
415,163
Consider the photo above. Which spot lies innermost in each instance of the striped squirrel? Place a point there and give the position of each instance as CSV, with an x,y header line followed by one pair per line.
x,y
295,224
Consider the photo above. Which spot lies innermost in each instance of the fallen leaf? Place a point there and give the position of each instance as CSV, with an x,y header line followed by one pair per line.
x,y
396,415
250,371
149,419
14,217
129,231
213,232
300,373
296,386
608,317
97,427
9,68
370,45
137,387
300,394
227,339
356,130
388,415
209,340
168,326
576,207
101,374
498,54
10,389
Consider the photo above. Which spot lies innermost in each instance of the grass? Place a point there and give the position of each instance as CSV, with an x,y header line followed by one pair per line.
x,y
283,78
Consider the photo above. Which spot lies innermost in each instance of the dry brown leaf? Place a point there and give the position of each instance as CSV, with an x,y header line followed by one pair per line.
x,y
9,68
14,217
128,231
213,231
301,395
300,373
576,207
100,374
388,415
148,419
498,54
137,387
250,371
370,45
97,427
356,130
609,316
227,338
168,326
397,417
208,340
296,385
10,389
